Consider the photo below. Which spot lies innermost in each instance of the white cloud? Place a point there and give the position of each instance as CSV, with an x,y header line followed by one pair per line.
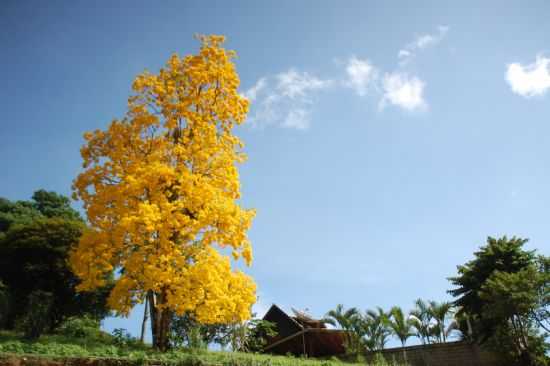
x,y
252,93
297,118
284,99
529,80
404,54
293,84
403,91
361,75
421,42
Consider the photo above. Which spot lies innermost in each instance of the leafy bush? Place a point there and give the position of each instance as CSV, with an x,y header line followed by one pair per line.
x,y
4,303
12,347
36,319
122,338
379,360
251,336
186,331
195,339
79,327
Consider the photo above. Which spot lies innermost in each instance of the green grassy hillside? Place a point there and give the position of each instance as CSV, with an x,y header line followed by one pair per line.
x,y
105,346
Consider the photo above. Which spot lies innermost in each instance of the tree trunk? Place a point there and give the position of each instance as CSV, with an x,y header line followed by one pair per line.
x,y
161,319
153,316
145,317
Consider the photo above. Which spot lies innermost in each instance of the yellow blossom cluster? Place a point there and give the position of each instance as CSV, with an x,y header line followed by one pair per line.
x,y
161,189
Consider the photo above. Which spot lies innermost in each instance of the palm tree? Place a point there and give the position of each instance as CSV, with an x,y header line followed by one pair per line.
x,y
401,326
348,320
434,332
357,334
441,312
462,324
421,318
377,328
339,317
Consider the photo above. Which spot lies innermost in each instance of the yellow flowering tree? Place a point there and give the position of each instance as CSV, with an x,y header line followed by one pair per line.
x,y
160,189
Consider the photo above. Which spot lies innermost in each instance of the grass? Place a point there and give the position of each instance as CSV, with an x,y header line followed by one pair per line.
x,y
103,345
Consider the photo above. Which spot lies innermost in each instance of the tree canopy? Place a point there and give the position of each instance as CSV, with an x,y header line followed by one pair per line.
x,y
160,188
503,292
35,239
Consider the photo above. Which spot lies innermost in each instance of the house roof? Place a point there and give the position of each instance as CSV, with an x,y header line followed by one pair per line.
x,y
302,334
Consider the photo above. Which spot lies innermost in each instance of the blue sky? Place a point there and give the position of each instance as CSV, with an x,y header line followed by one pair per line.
x,y
386,140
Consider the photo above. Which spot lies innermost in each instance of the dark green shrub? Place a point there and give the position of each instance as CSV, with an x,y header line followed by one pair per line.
x,y
79,327
36,318
12,347
35,239
122,338
4,303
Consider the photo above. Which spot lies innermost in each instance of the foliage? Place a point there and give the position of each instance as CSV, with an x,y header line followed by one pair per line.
x,y
351,322
440,312
261,331
34,246
188,332
421,319
341,317
370,331
79,327
400,325
43,204
122,338
51,204
61,346
523,292
377,329
504,292
35,321
433,322
540,284
380,360
498,255
160,188
429,320
4,302
252,335
19,212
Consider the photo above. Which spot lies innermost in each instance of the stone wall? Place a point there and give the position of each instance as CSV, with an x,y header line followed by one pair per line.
x,y
441,354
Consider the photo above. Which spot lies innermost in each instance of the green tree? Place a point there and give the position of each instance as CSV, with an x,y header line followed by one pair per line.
x,y
251,335
35,320
187,331
4,302
501,291
44,204
51,204
350,321
540,310
340,317
19,212
421,320
377,329
34,243
401,325
441,312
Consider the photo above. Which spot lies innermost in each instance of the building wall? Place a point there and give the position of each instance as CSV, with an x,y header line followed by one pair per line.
x,y
442,354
